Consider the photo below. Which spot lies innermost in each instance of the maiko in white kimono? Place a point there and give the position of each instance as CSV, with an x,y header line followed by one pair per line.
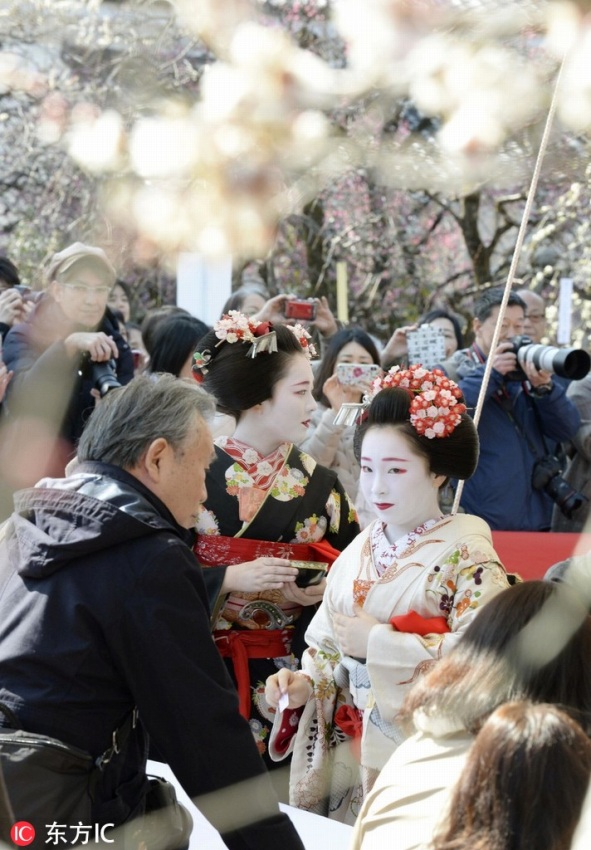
x,y
445,569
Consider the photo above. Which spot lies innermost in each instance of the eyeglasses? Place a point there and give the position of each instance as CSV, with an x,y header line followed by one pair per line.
x,y
82,288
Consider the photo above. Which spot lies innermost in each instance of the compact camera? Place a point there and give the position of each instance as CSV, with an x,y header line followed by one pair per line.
x,y
357,374
546,476
303,309
573,363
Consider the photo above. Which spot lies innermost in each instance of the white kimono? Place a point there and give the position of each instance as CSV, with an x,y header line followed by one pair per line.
x,y
448,568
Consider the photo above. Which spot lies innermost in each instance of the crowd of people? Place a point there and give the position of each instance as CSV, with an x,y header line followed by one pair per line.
x,y
210,564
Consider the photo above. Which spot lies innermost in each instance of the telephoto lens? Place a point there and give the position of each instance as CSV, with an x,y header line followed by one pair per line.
x,y
573,363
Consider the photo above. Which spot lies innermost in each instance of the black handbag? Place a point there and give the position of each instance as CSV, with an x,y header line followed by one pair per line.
x,y
49,781
167,824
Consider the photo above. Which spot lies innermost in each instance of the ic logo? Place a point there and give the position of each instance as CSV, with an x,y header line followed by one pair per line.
x,y
22,833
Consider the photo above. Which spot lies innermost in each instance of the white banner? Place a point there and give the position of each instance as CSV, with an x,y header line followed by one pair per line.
x,y
203,285
565,311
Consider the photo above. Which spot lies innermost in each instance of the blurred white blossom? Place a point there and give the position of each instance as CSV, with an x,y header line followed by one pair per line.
x,y
95,139
216,175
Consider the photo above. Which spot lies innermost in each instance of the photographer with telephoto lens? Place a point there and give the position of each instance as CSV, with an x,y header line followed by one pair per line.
x,y
67,354
526,413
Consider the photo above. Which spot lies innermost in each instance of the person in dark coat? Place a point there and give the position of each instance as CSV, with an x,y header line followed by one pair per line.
x,y
56,355
103,608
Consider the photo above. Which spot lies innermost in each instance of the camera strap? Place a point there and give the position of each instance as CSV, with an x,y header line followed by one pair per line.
x,y
508,408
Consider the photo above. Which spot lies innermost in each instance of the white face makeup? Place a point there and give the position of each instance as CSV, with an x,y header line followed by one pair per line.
x,y
285,417
396,481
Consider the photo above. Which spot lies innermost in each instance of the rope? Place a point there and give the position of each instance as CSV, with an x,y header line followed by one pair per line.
x,y
513,268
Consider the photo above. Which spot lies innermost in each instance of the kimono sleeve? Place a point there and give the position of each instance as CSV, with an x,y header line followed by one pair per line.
x,y
469,577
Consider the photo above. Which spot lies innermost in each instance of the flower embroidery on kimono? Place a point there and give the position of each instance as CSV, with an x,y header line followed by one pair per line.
x,y
264,468
325,688
308,462
259,732
236,478
465,603
289,484
311,530
206,522
250,456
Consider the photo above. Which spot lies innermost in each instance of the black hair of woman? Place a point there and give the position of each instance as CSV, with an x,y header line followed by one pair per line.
x,y
454,456
154,318
337,343
8,272
174,341
239,382
439,313
523,785
488,666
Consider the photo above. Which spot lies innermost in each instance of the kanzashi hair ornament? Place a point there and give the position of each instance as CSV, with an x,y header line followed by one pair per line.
x,y
303,337
236,327
200,361
435,408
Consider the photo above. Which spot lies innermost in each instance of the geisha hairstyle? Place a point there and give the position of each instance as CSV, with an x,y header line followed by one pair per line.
x,y
454,456
239,381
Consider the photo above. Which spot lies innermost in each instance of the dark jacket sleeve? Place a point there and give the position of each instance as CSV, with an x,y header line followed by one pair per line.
x,y
559,417
189,705
124,363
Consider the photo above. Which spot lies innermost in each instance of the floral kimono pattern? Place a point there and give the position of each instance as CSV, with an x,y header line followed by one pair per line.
x,y
447,568
286,498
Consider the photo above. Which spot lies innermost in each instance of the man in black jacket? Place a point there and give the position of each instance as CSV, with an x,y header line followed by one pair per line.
x,y
57,353
103,608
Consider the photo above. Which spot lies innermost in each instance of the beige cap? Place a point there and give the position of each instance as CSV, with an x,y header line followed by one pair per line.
x,y
65,259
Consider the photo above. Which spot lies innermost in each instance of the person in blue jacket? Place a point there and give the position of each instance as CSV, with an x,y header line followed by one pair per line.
x,y
522,420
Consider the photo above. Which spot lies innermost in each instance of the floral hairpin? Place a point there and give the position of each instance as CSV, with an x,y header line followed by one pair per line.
x,y
200,361
303,337
236,327
435,410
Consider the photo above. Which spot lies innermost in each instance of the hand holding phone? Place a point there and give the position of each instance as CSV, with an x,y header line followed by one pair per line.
x,y
426,346
357,374
301,309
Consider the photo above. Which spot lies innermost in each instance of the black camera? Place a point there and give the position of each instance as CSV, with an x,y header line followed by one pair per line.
x,y
573,363
27,294
102,375
546,476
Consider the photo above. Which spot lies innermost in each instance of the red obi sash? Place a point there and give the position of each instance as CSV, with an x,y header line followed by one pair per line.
x,y
419,625
242,645
214,550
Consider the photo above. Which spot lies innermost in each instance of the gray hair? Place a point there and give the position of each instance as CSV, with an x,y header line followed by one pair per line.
x,y
129,419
